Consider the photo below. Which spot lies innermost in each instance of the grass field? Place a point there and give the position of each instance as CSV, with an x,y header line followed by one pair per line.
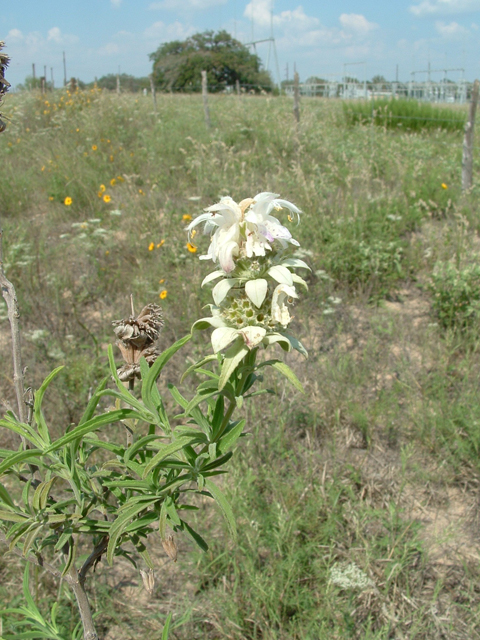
x,y
357,503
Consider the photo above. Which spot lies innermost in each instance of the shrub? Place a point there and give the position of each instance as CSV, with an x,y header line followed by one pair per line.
x,y
456,294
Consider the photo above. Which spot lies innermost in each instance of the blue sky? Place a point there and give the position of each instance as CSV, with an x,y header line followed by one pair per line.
x,y
319,37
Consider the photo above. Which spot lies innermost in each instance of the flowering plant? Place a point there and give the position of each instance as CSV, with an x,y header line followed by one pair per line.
x,y
256,282
87,487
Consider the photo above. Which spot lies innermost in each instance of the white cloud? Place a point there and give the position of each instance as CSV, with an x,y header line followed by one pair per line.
x,y
451,31
185,5
261,11
356,23
116,3
109,49
14,34
162,32
436,7
55,35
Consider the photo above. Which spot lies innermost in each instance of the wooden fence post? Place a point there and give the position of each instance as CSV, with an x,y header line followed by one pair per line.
x,y
467,159
154,95
296,98
205,99
237,86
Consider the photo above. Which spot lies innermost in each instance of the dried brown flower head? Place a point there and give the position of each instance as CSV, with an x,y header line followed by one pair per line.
x,y
170,547
137,337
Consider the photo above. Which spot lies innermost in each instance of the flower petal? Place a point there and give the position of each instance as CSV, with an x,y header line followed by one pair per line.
x,y
295,262
281,274
252,335
211,276
221,289
222,337
206,323
256,290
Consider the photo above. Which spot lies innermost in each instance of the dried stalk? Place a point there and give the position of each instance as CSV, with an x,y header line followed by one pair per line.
x,y
10,297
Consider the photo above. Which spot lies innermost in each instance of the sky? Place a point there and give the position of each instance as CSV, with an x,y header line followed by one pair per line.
x,y
317,37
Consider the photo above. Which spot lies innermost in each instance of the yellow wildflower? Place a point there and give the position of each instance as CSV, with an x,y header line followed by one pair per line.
x,y
186,217
111,158
113,181
107,253
120,179
43,168
161,281
102,188
140,191
99,194
151,246
68,201
163,294
77,129
193,233
94,147
107,198
191,247
444,186
160,244
50,198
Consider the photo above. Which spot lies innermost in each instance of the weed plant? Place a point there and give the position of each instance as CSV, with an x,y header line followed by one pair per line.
x,y
390,419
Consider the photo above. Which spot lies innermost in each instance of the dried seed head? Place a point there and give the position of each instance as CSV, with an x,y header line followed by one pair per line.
x,y
137,337
170,547
148,578
143,329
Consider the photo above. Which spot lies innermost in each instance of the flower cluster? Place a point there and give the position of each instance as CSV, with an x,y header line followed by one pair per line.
x,y
256,281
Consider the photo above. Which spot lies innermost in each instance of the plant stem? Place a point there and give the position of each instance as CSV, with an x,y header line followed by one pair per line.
x,y
77,585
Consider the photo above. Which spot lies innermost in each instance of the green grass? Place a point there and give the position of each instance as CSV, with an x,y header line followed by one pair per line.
x,y
386,439
405,114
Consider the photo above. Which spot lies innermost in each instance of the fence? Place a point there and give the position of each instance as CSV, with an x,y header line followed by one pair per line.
x,y
449,92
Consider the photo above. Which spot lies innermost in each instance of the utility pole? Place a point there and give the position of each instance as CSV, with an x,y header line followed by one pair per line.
x,y
64,70
33,75
51,77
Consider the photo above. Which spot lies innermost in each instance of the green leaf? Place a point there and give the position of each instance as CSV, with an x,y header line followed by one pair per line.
x,y
166,627
40,496
91,425
195,536
160,362
153,400
18,457
37,406
230,438
5,496
30,537
139,444
10,516
198,365
285,370
167,450
233,357
72,551
162,521
122,392
223,504
23,430
120,524
93,402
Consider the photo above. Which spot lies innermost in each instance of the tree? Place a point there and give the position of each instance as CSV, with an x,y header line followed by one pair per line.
x,y
177,65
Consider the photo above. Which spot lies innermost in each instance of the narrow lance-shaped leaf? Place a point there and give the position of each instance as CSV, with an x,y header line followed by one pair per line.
x,y
37,406
223,504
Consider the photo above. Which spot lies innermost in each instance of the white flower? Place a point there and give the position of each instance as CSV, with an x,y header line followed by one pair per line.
x,y
280,311
245,229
